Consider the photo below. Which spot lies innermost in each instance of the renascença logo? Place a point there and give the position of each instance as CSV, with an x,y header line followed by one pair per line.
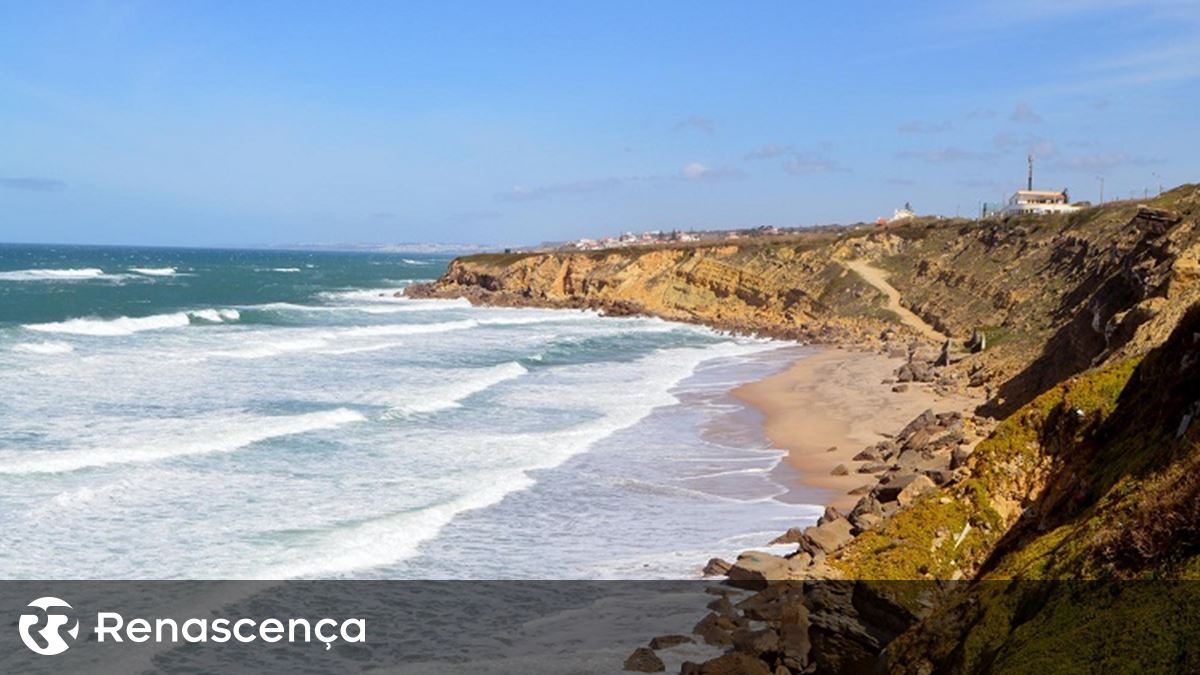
x,y
51,640
48,640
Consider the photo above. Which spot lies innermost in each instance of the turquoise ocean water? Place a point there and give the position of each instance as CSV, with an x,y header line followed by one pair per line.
x,y
175,413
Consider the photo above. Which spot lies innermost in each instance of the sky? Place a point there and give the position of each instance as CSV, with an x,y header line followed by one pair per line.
x,y
267,123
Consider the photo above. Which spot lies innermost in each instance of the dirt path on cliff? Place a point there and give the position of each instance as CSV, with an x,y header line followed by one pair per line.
x,y
878,278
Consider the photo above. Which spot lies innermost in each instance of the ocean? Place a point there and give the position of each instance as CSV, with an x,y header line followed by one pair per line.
x,y
199,414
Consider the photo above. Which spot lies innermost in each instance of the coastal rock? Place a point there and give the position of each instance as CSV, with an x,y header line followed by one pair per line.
x,y
916,487
860,490
723,606
644,660
830,514
839,470
734,663
794,642
717,568
668,641
871,454
827,537
716,630
959,457
792,536
756,567
867,521
756,642
873,467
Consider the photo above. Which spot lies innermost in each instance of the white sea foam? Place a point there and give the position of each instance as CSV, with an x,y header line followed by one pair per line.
x,y
368,295
215,315
214,438
465,384
392,538
154,271
285,269
53,275
50,347
113,327
410,261
410,328
122,326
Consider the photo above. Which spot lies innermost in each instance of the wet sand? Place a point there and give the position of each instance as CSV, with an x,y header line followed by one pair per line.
x,y
835,399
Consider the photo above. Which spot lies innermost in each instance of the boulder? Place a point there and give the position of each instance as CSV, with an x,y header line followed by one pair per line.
x,y
716,630
874,467
668,641
755,567
871,454
827,537
794,642
861,490
830,514
867,521
840,470
734,663
756,642
900,388
792,536
916,487
644,660
716,568
888,489
723,606
959,457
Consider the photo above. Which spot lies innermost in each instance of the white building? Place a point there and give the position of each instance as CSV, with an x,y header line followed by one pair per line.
x,y
1038,202
905,213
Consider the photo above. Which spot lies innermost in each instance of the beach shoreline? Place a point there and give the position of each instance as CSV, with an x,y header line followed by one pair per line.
x,y
825,408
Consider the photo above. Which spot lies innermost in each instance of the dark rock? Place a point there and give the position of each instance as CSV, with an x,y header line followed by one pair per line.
x,y
919,422
735,663
716,630
871,454
690,668
887,491
840,470
668,641
756,642
723,606
861,490
644,660
832,448
900,388
794,642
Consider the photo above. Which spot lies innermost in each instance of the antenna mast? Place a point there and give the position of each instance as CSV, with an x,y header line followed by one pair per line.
x,y
1030,180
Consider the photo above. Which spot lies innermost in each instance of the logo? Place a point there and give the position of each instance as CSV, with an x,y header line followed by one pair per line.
x,y
43,631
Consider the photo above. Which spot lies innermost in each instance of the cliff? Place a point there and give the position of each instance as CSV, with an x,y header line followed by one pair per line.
x,y
1053,295
1091,366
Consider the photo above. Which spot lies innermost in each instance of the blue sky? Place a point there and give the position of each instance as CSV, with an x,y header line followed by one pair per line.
x,y
232,123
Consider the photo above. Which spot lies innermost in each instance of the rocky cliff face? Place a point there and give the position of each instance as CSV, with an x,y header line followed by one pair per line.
x,y
1052,295
1092,362
783,287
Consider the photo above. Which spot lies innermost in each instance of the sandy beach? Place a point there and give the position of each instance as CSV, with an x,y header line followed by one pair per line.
x,y
835,399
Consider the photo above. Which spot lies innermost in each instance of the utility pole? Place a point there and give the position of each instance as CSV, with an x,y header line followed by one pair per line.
x,y
1101,179
1030,180
1159,179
